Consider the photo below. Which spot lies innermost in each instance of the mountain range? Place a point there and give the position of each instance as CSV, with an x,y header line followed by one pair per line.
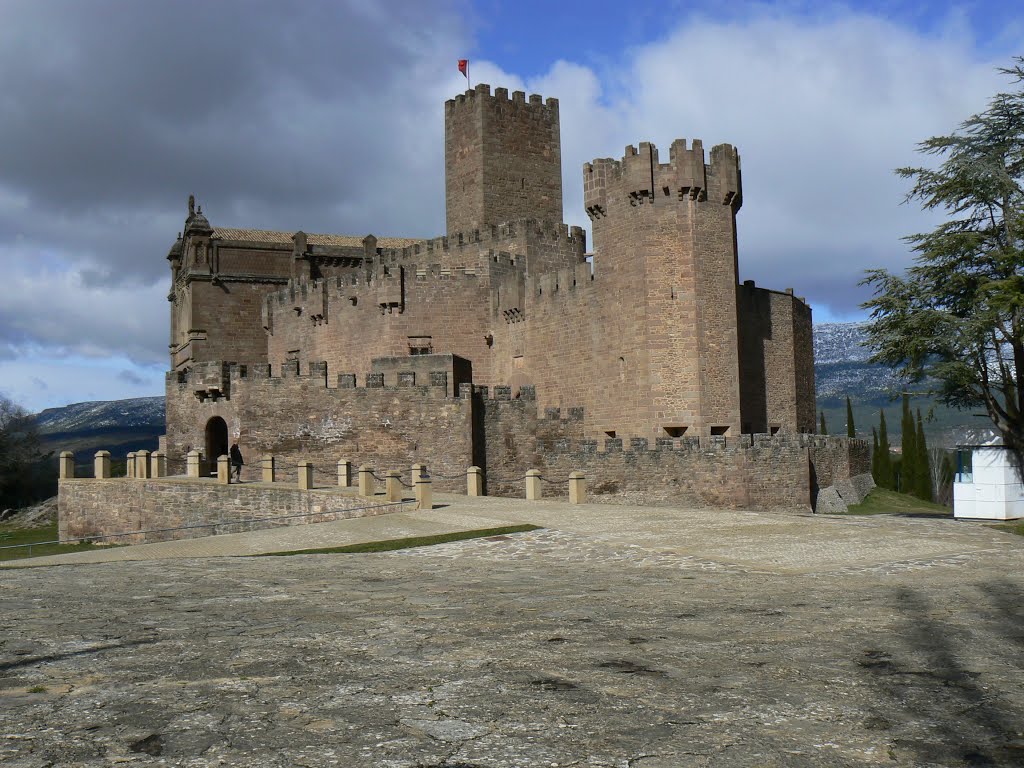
x,y
841,366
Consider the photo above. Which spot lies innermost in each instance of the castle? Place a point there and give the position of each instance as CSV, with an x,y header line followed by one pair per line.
x,y
503,344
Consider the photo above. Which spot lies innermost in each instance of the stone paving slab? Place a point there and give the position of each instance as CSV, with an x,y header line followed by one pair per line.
x,y
899,645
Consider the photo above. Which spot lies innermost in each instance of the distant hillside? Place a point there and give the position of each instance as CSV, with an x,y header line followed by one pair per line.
x,y
842,369
118,426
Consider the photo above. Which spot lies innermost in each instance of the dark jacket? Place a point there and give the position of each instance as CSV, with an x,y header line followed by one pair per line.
x,y
236,455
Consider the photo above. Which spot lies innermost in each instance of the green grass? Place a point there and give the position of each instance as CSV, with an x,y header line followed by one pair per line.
x,y
882,501
1017,528
414,541
10,536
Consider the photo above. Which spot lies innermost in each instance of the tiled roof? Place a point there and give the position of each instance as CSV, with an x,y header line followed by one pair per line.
x,y
268,236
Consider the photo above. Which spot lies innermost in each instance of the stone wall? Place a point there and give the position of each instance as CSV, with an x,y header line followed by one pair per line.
x,y
502,159
297,418
89,507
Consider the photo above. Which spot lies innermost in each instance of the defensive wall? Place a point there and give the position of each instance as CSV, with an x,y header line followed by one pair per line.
x,y
295,416
179,508
401,417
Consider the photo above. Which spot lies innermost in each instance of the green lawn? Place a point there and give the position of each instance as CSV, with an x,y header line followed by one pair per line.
x,y
414,541
10,536
1016,527
882,501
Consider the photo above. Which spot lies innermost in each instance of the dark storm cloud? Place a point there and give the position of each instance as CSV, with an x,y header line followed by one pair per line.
x,y
274,114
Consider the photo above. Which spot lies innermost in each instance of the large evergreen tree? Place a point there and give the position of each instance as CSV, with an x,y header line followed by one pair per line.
x,y
851,430
885,478
923,464
908,448
957,315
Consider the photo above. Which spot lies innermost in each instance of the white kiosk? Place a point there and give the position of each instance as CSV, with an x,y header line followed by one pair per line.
x,y
986,485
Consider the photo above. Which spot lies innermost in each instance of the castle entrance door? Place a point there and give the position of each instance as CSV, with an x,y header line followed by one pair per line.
x,y
216,442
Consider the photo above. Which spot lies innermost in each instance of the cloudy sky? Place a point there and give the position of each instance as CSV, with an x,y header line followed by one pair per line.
x,y
328,117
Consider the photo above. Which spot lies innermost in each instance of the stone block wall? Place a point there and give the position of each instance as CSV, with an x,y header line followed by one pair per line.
x,y
298,417
503,159
89,507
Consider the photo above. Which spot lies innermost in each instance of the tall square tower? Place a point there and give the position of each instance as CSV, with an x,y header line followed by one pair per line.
x,y
503,159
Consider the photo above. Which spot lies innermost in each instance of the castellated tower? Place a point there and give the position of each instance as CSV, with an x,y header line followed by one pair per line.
x,y
503,159
665,238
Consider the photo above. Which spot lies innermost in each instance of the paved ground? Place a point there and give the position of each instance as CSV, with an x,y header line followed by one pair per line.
x,y
616,636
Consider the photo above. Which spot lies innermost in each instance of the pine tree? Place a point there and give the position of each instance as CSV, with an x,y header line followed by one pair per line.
x,y
908,443
875,455
885,478
851,430
924,470
823,430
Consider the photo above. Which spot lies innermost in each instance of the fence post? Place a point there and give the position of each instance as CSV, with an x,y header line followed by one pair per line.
x,y
424,492
192,463
344,473
223,470
142,465
66,466
129,465
305,475
267,464
365,481
474,481
158,464
577,488
393,486
418,471
534,490
101,465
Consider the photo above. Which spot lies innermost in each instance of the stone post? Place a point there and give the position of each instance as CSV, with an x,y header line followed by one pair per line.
x,y
305,475
158,464
344,473
366,481
534,490
66,466
418,471
193,463
267,465
101,465
474,481
223,470
393,486
577,488
424,492
129,465
142,465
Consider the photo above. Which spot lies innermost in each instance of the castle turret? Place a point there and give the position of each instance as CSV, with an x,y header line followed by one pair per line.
x,y
503,159
666,234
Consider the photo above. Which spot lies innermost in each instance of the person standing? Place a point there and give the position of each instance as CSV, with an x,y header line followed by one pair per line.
x,y
236,461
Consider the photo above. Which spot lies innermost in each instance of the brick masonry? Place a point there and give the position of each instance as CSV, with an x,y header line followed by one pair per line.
x,y
120,505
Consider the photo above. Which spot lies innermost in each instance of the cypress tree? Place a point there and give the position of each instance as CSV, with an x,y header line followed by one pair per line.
x,y
823,430
908,443
875,455
851,430
924,470
885,478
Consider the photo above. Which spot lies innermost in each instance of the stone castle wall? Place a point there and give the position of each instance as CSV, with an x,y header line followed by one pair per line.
x,y
90,507
298,417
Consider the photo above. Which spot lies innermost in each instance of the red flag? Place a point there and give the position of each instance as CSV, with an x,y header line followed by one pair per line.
x,y
464,67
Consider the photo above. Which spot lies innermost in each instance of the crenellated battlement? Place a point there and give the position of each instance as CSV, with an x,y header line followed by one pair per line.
x,y
512,236
552,284
640,177
480,96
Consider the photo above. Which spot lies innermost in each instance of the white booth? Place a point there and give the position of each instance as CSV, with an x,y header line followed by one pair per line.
x,y
986,485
